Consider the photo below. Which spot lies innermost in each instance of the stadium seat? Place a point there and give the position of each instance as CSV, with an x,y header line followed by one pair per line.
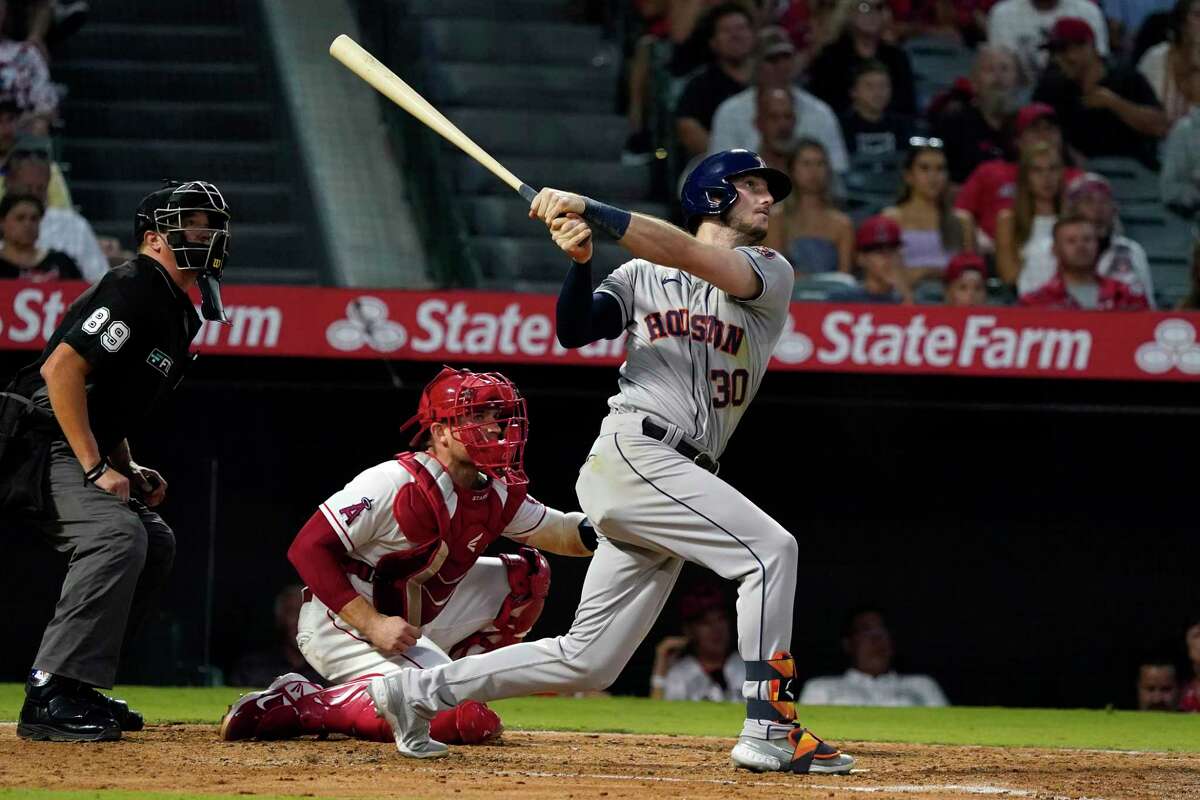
x,y
1131,181
182,90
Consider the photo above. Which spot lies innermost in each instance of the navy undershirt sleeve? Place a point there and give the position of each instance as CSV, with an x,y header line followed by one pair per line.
x,y
582,316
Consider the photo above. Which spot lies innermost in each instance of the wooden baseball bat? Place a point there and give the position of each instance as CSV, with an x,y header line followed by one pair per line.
x,y
391,86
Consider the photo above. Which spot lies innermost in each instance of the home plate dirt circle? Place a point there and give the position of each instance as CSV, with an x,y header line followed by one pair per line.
x,y
533,764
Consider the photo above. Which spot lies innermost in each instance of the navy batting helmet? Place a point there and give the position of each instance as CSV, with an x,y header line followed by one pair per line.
x,y
708,190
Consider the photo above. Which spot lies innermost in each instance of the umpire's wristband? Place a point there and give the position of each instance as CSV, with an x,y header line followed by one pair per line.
x,y
611,220
93,474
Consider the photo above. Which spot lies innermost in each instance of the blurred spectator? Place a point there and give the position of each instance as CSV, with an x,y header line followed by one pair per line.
x,y
1023,25
1028,227
1152,32
730,37
739,119
25,78
1125,19
649,25
44,23
1190,700
61,229
976,128
703,663
20,257
1089,196
1075,284
966,280
775,123
260,667
1103,111
1157,685
870,680
992,187
880,268
859,26
870,130
961,20
1191,302
58,195
808,22
688,27
1180,178
1172,68
932,229
806,227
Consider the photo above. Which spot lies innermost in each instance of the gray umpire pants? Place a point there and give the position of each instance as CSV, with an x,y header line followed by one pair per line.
x,y
655,509
120,556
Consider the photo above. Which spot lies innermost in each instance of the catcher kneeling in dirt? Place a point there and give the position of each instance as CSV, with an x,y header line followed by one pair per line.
x,y
394,575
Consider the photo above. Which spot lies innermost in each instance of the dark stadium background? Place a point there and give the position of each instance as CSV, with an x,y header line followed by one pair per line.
x,y
1027,538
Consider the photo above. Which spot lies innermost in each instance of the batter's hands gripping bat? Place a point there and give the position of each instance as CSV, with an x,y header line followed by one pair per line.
x,y
389,84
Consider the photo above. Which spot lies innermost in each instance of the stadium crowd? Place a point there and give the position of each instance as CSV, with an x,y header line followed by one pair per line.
x,y
700,662
1019,180
42,235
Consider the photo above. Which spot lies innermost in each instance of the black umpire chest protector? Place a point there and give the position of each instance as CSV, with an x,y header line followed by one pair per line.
x,y
134,328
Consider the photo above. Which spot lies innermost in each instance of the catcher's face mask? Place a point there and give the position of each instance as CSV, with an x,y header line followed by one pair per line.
x,y
194,220
486,413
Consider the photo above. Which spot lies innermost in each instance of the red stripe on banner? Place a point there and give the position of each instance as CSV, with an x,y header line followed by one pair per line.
x,y
503,327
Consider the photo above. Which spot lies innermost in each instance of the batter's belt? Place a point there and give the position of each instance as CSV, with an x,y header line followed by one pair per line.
x,y
694,454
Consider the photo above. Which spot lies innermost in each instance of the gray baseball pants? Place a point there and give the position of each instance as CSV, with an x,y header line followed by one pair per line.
x,y
655,509
120,556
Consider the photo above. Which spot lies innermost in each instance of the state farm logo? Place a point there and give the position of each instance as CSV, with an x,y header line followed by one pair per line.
x,y
978,342
1174,347
366,323
793,347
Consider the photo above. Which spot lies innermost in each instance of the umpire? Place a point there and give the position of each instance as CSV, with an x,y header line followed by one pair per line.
x,y
121,348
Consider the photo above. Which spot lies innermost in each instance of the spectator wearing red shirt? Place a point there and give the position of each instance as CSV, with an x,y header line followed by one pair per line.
x,y
1190,699
965,278
992,187
965,20
1076,284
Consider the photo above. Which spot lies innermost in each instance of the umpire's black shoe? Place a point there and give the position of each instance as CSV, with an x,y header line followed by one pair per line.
x,y
126,717
55,712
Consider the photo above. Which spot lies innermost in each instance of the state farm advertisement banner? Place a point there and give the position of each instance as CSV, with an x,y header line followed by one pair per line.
x,y
497,327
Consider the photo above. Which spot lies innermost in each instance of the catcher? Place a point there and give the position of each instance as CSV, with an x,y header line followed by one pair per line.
x,y
394,575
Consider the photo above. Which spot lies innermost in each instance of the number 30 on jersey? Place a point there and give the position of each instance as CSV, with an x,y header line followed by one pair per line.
x,y
729,388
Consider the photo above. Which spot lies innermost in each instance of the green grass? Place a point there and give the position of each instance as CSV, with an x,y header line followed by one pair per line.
x,y
1005,727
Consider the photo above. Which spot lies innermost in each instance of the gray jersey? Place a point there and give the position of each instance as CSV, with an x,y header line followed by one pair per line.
x,y
696,355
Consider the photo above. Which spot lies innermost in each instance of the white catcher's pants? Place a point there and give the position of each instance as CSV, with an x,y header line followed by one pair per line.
x,y
340,652
655,509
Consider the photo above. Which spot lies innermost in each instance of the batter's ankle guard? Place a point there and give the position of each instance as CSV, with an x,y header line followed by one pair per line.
x,y
778,690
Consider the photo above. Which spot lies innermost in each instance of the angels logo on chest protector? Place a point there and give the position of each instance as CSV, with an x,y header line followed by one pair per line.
x,y
453,532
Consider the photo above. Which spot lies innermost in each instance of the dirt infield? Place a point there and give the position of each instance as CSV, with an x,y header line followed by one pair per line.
x,y
530,765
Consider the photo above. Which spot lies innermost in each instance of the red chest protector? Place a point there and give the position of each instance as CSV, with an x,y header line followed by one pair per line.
x,y
416,584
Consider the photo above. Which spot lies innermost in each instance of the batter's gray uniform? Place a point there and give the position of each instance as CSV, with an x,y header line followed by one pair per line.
x,y
696,357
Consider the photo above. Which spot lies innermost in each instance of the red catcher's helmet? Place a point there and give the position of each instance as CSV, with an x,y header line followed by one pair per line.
x,y
456,397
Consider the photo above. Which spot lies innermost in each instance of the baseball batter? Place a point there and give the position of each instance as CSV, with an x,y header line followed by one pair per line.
x,y
703,313
394,575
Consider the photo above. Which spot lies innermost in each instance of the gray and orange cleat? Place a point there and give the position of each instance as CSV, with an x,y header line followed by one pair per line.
x,y
800,752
